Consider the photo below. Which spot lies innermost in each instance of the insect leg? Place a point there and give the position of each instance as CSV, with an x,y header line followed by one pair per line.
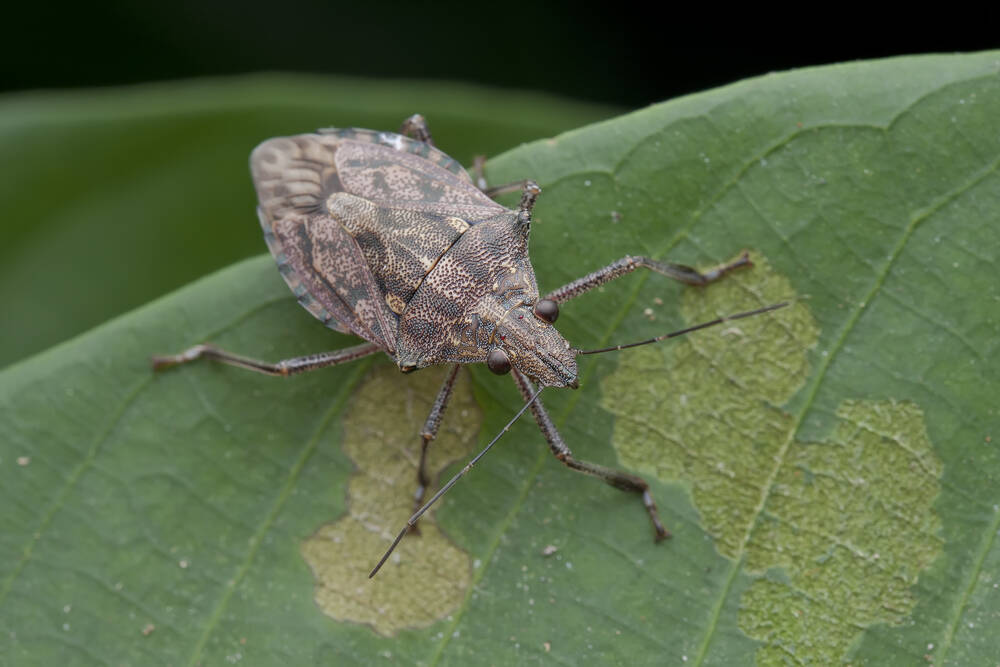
x,y
497,190
628,264
451,482
428,433
416,127
616,478
478,163
281,368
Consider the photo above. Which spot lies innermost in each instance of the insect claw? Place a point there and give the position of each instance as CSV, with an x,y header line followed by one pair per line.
x,y
416,126
163,362
160,363
529,194
661,533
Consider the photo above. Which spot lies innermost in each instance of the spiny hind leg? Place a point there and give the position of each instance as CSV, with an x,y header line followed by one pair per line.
x,y
628,264
478,165
281,368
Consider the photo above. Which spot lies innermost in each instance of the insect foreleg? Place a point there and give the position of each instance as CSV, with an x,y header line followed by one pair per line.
x,y
428,433
628,264
616,478
281,368
478,164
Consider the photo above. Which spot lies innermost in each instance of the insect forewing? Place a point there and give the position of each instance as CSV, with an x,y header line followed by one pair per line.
x,y
357,219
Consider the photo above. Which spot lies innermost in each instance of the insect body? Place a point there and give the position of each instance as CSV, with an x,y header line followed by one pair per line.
x,y
383,236
386,237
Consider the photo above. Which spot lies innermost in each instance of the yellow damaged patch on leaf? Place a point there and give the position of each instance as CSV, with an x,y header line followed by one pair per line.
x,y
841,528
850,524
704,409
427,576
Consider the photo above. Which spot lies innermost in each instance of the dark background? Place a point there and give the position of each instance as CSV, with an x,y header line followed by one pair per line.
x,y
617,54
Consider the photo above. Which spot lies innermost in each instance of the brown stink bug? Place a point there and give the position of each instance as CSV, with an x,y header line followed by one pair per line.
x,y
384,236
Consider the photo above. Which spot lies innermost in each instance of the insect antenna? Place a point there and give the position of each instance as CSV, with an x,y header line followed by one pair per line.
x,y
681,332
444,489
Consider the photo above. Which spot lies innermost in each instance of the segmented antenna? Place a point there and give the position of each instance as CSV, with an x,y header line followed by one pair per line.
x,y
444,489
681,332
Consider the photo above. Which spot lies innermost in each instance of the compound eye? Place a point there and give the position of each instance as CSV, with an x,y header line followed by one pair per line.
x,y
547,310
498,362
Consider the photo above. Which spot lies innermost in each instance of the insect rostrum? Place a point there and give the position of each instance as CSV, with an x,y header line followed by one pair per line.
x,y
385,237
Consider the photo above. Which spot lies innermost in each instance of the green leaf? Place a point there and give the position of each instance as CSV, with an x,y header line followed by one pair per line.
x,y
116,197
830,471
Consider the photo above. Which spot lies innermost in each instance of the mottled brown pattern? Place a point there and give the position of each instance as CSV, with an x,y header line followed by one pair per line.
x,y
335,317
389,177
404,244
387,238
337,262
330,266
482,291
292,173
